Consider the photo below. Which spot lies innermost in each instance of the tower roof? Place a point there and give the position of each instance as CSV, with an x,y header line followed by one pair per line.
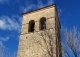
x,y
53,5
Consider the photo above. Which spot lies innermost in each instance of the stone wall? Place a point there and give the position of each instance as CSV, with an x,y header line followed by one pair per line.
x,y
40,43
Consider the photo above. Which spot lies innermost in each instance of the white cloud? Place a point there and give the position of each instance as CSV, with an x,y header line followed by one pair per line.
x,y
7,23
4,1
50,2
1,46
40,4
1,23
28,7
17,1
4,39
60,11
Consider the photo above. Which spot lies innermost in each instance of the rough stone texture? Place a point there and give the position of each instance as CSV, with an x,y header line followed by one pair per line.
x,y
40,42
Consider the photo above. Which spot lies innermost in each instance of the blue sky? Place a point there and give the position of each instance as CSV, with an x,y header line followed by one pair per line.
x,y
10,17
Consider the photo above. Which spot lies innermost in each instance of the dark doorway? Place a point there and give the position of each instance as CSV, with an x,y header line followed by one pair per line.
x,y
31,26
42,23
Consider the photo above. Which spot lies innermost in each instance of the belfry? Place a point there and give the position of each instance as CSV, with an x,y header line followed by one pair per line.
x,y
40,33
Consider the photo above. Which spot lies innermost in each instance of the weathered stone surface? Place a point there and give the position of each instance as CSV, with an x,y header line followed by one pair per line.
x,y
40,43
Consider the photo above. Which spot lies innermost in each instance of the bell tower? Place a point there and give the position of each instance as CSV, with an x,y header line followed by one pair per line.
x,y
40,33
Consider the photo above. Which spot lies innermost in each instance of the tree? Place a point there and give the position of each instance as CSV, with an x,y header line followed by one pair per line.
x,y
50,40
71,42
5,53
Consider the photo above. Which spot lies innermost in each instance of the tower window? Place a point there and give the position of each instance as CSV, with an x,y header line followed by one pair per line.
x,y
42,23
31,26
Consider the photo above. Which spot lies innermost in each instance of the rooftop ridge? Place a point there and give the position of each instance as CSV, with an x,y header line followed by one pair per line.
x,y
38,9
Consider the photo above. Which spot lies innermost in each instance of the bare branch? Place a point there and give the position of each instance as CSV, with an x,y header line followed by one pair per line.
x,y
72,40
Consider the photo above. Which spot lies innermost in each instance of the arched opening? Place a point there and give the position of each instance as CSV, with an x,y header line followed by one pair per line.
x,y
31,26
42,23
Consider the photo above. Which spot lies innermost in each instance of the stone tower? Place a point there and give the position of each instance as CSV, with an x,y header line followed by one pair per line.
x,y
40,33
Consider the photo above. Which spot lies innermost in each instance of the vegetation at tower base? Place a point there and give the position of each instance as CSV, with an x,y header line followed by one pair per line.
x,y
72,42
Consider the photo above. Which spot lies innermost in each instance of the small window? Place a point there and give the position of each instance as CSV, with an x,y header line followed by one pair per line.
x,y
31,26
42,23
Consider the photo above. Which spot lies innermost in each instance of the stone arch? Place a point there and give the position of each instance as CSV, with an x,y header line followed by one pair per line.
x,y
31,26
42,23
